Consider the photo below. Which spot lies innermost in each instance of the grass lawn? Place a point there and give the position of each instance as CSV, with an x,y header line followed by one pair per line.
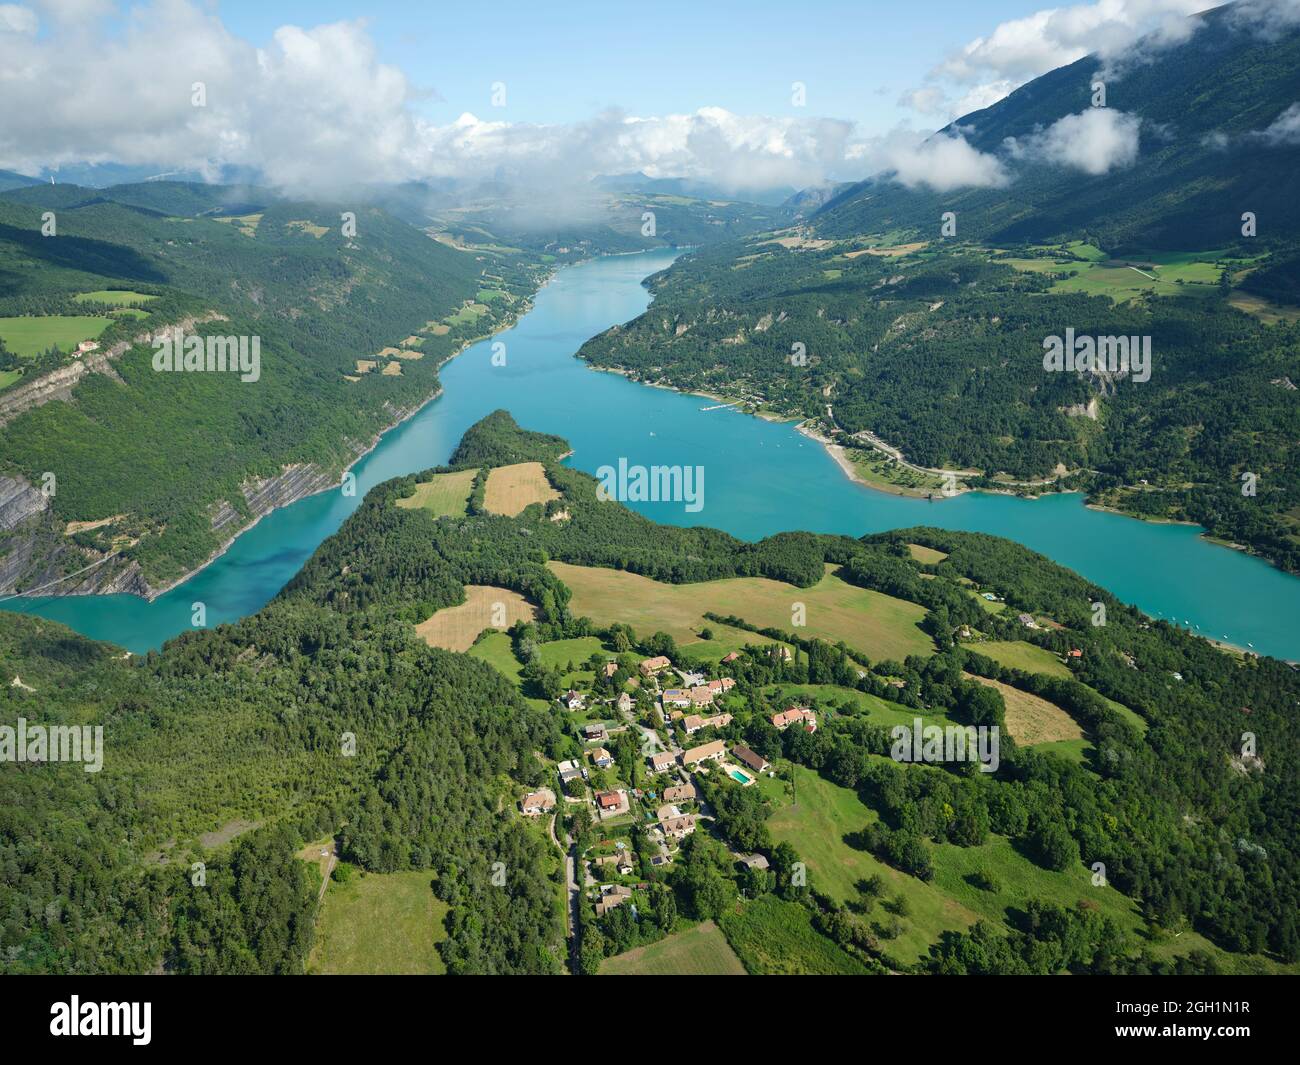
x,y
883,473
699,951
1020,879
776,938
496,650
29,335
380,923
1017,654
443,496
878,625
817,827
559,653
466,315
1030,718
9,377
725,640
928,555
116,296
486,607
512,488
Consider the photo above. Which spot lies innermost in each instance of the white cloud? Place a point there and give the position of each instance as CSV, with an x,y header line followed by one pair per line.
x,y
1020,50
944,163
14,18
317,109
1285,129
1095,141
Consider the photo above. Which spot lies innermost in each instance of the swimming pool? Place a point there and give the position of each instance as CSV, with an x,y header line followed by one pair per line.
x,y
738,775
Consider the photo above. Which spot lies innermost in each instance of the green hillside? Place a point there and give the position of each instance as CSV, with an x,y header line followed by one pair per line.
x,y
325,716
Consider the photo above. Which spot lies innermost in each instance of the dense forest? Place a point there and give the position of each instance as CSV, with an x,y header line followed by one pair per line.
x,y
167,453
324,713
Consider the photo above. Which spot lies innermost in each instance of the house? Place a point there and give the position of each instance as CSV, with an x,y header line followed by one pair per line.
x,y
611,803
87,345
594,731
701,695
651,666
1027,621
539,802
676,697
1074,652
678,827
610,669
779,650
717,721
625,703
692,723
752,759
681,793
663,761
730,657
601,758
754,861
572,701
709,752
795,714
611,896
724,684
667,812
622,861
570,771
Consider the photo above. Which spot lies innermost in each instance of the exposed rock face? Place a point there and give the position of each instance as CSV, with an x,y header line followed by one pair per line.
x,y
18,502
35,553
263,495
59,383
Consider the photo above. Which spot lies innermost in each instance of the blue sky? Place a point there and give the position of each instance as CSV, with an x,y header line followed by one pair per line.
x,y
563,62
323,94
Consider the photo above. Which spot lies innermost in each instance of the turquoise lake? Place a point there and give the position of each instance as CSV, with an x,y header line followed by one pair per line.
x,y
760,478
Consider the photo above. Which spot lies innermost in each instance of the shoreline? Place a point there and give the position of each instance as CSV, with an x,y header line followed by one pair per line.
x,y
404,415
837,452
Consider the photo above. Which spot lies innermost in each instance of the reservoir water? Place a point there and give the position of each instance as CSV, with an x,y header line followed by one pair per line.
x,y
761,477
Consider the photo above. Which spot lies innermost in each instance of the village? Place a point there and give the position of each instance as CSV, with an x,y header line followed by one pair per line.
x,y
641,807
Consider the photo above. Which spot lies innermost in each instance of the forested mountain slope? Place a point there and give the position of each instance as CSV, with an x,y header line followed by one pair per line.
x,y
896,337
181,461
324,714
1208,149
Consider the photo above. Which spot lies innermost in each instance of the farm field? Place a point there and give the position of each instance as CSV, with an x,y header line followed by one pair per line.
x,y
776,938
1030,718
1017,654
380,923
29,335
512,488
699,951
116,296
1160,273
9,377
927,555
443,496
455,628
817,827
878,625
